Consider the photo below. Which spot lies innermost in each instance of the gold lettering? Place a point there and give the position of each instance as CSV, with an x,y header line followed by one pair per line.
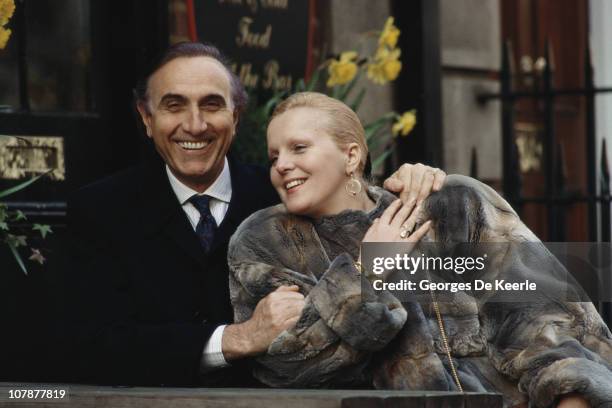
x,y
246,38
247,78
272,79
277,4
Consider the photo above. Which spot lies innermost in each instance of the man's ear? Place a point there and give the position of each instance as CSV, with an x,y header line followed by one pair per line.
x,y
236,119
353,156
143,110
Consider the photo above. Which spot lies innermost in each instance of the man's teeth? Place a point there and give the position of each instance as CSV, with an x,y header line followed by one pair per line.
x,y
294,183
194,145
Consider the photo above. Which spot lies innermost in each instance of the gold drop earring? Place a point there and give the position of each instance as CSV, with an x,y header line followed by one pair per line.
x,y
353,186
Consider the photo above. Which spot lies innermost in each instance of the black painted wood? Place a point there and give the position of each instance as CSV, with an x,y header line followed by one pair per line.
x,y
419,83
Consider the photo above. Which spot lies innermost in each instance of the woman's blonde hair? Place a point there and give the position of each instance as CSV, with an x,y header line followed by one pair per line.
x,y
342,124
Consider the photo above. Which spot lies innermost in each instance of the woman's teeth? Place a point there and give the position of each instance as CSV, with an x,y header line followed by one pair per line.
x,y
294,183
194,145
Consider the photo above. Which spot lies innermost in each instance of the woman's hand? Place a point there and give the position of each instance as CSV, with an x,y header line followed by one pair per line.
x,y
573,401
396,224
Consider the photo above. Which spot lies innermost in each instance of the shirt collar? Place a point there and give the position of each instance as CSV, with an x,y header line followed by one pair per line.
x,y
221,188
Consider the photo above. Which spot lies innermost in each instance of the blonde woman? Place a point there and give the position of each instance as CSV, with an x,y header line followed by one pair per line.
x,y
348,334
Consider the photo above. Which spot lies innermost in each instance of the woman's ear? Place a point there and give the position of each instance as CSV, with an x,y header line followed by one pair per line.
x,y
353,157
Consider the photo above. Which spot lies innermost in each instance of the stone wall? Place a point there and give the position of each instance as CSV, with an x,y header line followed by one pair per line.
x,y
470,32
344,22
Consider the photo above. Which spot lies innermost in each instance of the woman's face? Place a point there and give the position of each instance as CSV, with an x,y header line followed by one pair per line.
x,y
307,168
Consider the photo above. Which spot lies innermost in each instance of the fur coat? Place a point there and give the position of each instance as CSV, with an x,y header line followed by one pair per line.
x,y
352,336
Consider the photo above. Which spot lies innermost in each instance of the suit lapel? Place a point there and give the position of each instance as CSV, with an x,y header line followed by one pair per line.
x,y
162,213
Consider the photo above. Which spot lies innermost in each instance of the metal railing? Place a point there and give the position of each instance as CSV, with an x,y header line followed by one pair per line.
x,y
557,197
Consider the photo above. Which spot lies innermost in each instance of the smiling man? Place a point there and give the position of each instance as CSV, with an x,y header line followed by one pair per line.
x,y
149,283
190,115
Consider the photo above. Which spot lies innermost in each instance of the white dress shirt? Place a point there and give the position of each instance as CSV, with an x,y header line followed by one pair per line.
x,y
221,193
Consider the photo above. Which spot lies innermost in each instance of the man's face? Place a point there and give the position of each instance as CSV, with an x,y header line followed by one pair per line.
x,y
190,117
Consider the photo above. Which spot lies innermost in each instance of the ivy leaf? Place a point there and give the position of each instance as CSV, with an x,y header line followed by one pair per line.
x,y
16,240
19,215
43,229
37,256
4,226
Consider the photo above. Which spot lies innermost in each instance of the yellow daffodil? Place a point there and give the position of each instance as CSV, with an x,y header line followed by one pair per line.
x,y
386,66
342,70
405,123
4,36
7,7
389,34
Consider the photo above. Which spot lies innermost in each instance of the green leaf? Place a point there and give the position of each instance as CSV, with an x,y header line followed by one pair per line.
x,y
36,256
299,85
384,138
387,117
21,186
18,257
271,104
19,215
336,92
374,128
4,226
313,80
16,240
349,87
373,135
380,159
355,105
43,229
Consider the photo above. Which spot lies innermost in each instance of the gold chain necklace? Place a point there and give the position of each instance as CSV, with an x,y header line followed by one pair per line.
x,y
436,306
444,338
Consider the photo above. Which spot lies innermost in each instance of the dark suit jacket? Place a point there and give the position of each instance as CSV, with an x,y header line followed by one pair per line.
x,y
144,297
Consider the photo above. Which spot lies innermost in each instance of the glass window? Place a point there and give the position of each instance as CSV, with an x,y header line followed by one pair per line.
x,y
58,54
9,72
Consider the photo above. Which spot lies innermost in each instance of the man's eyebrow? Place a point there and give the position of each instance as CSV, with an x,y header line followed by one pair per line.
x,y
213,97
172,97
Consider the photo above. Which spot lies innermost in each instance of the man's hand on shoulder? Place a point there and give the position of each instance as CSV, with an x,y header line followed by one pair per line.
x,y
278,311
414,182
